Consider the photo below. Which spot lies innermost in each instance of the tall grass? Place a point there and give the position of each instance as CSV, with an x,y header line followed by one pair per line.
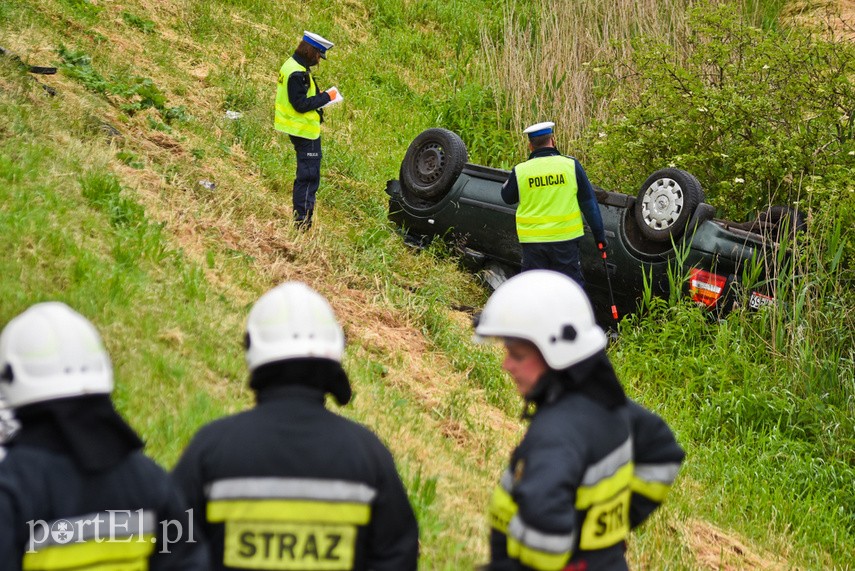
x,y
543,61
773,391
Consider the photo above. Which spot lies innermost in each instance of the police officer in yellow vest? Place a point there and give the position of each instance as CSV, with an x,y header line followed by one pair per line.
x,y
553,192
299,114
290,484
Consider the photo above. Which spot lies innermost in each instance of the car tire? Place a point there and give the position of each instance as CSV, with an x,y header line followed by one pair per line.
x,y
665,204
776,219
432,163
703,212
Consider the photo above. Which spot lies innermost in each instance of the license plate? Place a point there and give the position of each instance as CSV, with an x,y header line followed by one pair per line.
x,y
758,300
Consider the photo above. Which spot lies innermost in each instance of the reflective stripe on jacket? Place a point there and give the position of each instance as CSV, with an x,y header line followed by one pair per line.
x,y
657,457
565,497
291,485
55,517
602,514
121,541
548,210
287,119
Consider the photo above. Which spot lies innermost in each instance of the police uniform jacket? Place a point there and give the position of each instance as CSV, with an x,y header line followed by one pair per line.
x,y
291,485
55,514
298,85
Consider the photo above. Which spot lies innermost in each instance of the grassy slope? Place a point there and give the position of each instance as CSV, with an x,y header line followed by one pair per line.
x,y
120,228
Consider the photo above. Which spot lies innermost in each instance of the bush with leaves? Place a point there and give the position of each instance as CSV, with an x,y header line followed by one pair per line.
x,y
759,116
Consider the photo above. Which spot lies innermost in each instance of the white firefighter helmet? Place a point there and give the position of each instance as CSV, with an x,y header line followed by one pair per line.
x,y
50,352
292,321
550,310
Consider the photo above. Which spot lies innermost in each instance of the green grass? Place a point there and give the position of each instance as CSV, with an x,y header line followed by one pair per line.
x,y
119,227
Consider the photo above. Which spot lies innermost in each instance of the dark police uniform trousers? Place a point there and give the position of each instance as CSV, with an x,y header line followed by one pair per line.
x,y
563,257
291,485
307,178
52,516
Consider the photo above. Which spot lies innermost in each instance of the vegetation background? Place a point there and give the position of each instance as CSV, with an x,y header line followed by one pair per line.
x,y
128,192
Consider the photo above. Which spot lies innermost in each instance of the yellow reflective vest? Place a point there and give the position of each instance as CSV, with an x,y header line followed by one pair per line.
x,y
549,209
287,119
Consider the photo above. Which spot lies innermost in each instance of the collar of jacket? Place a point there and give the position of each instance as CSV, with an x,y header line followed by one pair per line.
x,y
544,152
300,60
86,428
325,375
277,392
594,377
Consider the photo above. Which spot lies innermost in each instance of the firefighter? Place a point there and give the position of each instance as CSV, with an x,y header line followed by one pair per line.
x,y
298,113
76,491
592,464
553,192
289,484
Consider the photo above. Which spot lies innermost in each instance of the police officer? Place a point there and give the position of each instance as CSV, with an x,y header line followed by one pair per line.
x,y
298,113
76,491
553,192
593,464
289,484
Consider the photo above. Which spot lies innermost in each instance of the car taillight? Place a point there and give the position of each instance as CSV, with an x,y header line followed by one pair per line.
x,y
706,287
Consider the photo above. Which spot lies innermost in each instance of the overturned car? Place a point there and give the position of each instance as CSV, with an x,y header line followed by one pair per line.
x,y
666,229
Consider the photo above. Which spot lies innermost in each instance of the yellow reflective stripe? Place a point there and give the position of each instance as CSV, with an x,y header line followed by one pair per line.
x,y
606,523
656,491
536,559
502,509
586,496
563,232
126,554
537,219
288,510
609,464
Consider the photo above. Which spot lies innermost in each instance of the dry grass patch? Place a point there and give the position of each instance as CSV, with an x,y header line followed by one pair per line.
x,y
833,18
722,551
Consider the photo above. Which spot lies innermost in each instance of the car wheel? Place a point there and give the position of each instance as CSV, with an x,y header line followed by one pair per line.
x,y
703,212
775,219
432,163
665,204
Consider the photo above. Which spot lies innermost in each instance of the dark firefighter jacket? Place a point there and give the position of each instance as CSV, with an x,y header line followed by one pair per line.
x,y
291,485
59,511
582,477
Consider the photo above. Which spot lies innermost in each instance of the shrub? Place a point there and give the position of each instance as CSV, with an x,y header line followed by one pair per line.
x,y
756,115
